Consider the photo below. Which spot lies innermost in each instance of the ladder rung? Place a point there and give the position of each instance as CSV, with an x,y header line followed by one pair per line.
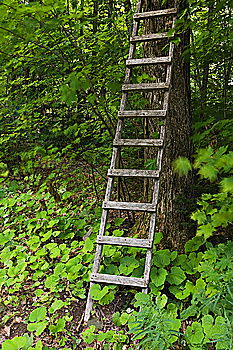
x,y
133,173
125,281
138,142
145,61
143,113
144,86
148,37
158,13
125,241
129,206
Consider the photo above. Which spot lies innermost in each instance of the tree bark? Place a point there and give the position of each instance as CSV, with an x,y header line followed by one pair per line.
x,y
174,190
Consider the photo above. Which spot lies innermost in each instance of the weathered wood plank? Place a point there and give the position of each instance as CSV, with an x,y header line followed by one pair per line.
x,y
148,266
133,173
88,305
145,87
148,37
138,142
142,113
125,241
129,206
151,14
147,61
125,281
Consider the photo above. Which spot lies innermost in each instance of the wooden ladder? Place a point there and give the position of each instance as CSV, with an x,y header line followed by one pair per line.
x,y
118,142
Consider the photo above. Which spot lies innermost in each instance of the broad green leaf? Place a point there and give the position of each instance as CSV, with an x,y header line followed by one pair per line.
x,y
142,299
194,244
56,305
162,258
207,324
97,293
37,327
158,237
38,314
124,318
127,265
158,276
14,344
176,276
194,333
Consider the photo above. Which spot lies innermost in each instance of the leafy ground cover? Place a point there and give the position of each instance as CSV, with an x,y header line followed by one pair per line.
x,y
47,250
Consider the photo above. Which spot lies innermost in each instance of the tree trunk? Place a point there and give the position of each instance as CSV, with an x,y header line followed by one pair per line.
x,y
174,190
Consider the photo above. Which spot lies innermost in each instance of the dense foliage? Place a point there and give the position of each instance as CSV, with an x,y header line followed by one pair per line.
x,y
61,68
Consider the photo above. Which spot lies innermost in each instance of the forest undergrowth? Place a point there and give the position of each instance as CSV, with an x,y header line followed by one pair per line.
x,y
62,64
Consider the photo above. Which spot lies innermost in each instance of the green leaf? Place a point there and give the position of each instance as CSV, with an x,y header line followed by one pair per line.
x,y
128,264
88,245
88,335
158,276
38,346
208,171
66,195
205,230
38,314
162,258
119,221
194,244
227,184
204,155
194,333
199,216
6,236
101,337
97,293
190,265
176,276
56,305
141,299
59,326
38,327
189,312
158,237
14,344
115,318
182,293
161,300
182,166
124,318
207,324
111,270
151,164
